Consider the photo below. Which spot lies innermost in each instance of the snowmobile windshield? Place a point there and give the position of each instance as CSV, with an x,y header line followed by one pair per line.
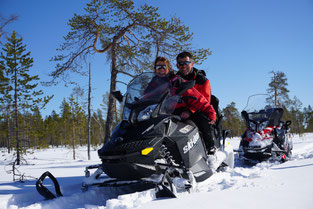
x,y
257,102
148,95
258,114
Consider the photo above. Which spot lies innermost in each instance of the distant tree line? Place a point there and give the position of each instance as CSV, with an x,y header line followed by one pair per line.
x,y
68,128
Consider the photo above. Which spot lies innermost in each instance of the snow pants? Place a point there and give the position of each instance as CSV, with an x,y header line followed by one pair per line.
x,y
207,130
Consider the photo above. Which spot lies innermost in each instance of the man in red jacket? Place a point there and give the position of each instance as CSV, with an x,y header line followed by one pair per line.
x,y
192,102
187,71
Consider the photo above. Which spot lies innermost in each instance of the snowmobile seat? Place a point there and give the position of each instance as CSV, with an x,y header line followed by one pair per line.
x,y
218,124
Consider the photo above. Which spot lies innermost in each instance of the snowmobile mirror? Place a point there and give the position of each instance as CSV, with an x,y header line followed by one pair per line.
x,y
117,95
245,116
184,87
225,134
286,125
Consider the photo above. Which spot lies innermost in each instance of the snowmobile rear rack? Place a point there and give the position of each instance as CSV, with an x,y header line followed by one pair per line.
x,y
44,191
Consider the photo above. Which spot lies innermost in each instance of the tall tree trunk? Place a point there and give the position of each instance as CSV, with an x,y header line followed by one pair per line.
x,y
100,139
24,138
276,86
63,136
89,114
276,102
16,120
9,131
73,139
16,135
79,134
112,103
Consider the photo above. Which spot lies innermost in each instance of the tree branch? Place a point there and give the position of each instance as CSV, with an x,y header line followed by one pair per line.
x,y
119,71
68,63
122,82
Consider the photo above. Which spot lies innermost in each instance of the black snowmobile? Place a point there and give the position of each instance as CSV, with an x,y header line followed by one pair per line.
x,y
151,147
266,136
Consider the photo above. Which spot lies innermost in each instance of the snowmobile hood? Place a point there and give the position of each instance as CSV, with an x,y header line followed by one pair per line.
x,y
128,138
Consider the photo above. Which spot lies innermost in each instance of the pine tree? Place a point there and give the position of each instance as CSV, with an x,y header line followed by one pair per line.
x,y
65,122
52,127
21,88
278,89
78,123
98,124
296,116
79,105
232,120
37,130
4,82
5,106
130,35
308,118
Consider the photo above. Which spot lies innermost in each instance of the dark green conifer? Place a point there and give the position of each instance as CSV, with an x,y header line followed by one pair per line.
x,y
20,90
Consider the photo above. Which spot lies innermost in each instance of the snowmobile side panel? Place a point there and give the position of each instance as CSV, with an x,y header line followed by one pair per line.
x,y
191,151
201,171
189,144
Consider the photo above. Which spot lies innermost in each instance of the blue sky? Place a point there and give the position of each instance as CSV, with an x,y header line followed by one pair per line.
x,y
248,39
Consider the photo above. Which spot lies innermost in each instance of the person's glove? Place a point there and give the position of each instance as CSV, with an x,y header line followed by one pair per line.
x,y
185,114
211,122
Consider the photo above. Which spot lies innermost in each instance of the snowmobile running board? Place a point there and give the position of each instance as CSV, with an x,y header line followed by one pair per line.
x,y
140,185
278,151
161,189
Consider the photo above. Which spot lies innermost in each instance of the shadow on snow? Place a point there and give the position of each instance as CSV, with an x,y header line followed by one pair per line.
x,y
25,194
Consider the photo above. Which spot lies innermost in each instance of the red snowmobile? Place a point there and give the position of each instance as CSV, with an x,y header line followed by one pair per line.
x,y
266,136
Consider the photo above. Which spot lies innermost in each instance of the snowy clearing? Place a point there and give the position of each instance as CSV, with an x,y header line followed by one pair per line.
x,y
265,185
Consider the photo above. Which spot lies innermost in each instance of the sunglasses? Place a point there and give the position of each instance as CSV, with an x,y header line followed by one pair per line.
x,y
158,67
183,63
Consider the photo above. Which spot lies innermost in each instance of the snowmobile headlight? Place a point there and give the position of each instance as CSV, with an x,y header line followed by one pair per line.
x,y
146,113
262,125
126,113
252,126
146,151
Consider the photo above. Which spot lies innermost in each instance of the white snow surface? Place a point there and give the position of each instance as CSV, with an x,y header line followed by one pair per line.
x,y
265,185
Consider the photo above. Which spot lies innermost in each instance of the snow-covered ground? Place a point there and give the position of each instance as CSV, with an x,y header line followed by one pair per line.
x,y
265,185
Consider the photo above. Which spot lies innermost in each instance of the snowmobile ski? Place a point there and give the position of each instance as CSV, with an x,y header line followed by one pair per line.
x,y
46,192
